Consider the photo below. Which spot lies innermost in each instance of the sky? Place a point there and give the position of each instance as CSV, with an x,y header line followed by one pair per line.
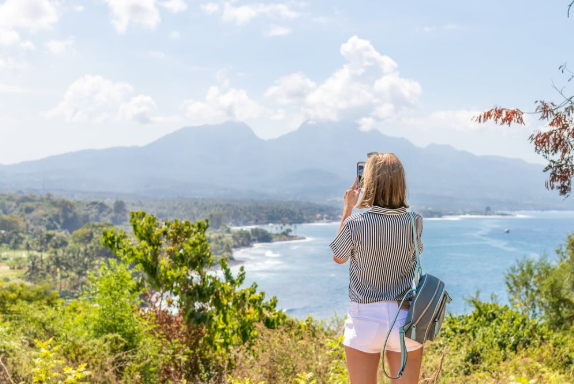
x,y
101,73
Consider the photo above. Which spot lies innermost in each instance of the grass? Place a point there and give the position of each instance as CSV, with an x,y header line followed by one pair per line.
x,y
7,274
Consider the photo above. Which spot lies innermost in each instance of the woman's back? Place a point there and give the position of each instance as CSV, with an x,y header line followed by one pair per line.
x,y
380,245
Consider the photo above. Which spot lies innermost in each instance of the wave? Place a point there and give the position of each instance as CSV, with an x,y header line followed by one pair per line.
x,y
272,254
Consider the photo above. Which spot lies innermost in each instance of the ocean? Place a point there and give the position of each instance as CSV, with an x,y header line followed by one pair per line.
x,y
470,253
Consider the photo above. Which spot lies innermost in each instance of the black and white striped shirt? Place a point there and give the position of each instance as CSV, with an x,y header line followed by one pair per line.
x,y
380,244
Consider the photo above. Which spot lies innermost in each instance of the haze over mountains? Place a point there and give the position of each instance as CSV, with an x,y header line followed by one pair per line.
x,y
316,162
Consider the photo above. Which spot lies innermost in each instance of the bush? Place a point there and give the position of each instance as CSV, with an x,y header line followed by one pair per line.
x,y
495,342
260,235
175,259
12,293
114,300
545,290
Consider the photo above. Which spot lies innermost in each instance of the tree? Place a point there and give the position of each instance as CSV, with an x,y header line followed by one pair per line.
x,y
555,144
115,297
176,261
120,212
241,238
260,235
11,223
543,289
215,220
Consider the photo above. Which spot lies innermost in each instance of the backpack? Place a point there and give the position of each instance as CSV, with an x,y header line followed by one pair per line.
x,y
426,312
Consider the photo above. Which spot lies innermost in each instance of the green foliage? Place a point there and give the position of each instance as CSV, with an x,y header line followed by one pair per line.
x,y
49,368
236,212
221,245
305,378
215,219
241,238
11,223
493,332
494,343
175,259
544,289
338,373
13,293
260,235
296,352
115,297
246,381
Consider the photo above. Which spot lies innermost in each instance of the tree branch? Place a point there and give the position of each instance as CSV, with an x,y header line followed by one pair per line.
x,y
6,370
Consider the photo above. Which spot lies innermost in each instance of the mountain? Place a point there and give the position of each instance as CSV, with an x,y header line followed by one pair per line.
x,y
316,162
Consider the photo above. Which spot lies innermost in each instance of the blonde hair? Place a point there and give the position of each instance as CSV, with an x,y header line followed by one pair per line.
x,y
384,183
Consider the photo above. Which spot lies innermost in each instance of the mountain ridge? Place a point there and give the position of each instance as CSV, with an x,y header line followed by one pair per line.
x,y
316,162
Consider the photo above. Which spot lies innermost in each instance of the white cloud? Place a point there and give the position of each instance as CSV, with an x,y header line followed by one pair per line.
x,y
10,64
367,123
243,14
368,85
156,54
138,109
175,6
277,30
78,8
209,8
9,37
58,47
219,107
27,45
95,99
291,89
30,15
27,15
174,35
14,89
140,12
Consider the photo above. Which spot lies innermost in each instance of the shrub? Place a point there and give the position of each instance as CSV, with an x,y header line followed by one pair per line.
x,y
545,290
12,293
175,259
114,295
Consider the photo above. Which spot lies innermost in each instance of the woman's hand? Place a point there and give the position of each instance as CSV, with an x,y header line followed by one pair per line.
x,y
351,197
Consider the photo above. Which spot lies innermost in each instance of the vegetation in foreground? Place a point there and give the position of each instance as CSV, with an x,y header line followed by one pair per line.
x,y
125,327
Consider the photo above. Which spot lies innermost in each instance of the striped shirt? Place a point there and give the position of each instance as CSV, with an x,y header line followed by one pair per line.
x,y
380,244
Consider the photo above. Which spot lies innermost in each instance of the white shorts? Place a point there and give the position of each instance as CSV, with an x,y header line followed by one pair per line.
x,y
367,326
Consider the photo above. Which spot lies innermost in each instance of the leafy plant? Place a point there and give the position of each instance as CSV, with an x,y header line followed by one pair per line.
x,y
175,259
115,297
544,289
49,367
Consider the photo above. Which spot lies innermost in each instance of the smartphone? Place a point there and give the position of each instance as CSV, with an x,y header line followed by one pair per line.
x,y
360,170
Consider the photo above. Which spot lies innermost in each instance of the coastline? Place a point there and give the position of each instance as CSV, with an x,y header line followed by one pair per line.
x,y
237,262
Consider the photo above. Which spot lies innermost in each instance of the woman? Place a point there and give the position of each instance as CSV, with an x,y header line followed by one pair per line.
x,y
379,243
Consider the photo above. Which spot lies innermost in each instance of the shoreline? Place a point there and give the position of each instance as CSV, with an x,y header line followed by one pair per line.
x,y
236,262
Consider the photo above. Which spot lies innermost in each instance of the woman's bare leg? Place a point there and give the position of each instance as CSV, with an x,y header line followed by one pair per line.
x,y
362,366
412,370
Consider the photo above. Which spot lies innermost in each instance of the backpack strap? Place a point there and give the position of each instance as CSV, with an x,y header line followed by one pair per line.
x,y
402,341
418,268
418,272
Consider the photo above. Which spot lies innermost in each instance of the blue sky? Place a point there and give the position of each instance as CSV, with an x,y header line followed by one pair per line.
x,y
101,73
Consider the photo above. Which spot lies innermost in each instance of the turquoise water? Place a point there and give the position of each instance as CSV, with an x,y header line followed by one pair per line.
x,y
468,253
